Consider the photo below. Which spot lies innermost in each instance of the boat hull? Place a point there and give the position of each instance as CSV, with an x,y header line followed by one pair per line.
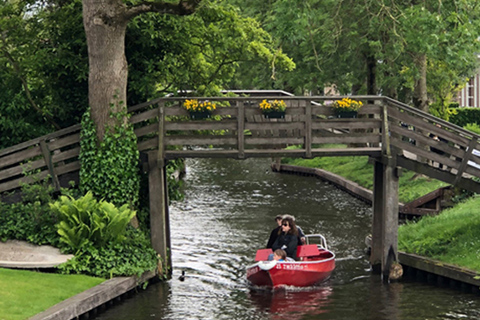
x,y
274,274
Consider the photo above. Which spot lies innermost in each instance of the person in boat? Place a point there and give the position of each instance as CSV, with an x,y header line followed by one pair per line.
x,y
287,238
301,235
274,233
280,255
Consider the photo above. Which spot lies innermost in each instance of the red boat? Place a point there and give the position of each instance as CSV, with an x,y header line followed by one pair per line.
x,y
315,263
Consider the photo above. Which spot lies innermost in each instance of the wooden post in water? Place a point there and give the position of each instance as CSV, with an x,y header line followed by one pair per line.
x,y
158,194
385,218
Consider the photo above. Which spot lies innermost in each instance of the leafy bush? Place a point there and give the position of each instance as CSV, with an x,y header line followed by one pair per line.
x,y
131,257
31,219
86,221
109,168
464,116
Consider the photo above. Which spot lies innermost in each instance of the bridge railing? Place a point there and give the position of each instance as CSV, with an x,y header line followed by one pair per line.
x,y
238,129
429,139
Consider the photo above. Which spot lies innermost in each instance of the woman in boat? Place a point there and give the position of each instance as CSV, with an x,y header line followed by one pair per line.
x,y
287,238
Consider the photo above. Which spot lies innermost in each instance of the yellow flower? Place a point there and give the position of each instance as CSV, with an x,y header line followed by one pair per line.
x,y
275,105
347,104
194,106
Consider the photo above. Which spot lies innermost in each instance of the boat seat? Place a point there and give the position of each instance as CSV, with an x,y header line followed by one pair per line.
x,y
262,254
307,250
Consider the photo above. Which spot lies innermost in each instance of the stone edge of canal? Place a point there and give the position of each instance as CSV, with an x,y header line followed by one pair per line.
x,y
98,298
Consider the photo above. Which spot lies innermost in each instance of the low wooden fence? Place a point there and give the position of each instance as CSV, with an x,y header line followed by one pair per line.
x,y
384,129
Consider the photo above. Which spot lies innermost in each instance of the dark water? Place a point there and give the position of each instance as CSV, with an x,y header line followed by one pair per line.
x,y
228,213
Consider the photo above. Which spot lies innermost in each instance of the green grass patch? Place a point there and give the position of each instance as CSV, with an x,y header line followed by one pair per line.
x,y
357,169
452,237
26,293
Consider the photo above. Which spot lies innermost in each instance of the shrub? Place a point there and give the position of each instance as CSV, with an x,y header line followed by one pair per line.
x,y
131,257
463,116
86,221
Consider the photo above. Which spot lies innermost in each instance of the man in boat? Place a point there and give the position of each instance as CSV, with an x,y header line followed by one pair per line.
x,y
274,233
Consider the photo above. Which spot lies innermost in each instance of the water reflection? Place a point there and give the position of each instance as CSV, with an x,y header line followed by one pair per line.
x,y
292,304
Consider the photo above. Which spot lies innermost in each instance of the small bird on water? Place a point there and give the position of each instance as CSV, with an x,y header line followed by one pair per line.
x,y
182,277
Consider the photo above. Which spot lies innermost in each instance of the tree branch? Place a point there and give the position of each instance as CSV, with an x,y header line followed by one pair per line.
x,y
182,8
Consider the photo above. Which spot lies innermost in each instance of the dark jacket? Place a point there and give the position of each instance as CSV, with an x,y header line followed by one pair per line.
x,y
273,237
288,240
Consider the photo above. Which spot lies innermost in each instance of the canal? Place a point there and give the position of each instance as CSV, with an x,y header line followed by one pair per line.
x,y
228,213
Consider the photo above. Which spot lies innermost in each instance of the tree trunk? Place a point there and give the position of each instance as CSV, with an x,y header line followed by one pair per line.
x,y
420,97
371,75
105,29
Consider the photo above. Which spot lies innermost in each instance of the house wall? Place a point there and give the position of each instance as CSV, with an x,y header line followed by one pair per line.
x,y
469,96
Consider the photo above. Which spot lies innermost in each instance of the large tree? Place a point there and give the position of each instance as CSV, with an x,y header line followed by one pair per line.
x,y
105,23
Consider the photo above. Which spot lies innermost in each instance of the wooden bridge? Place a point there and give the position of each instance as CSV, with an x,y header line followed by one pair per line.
x,y
392,134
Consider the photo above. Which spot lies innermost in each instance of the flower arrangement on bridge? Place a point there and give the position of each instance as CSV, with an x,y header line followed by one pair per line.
x,y
271,106
347,105
193,105
199,110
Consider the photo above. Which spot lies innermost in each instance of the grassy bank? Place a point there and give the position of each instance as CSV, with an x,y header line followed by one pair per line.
x,y
358,169
26,293
451,237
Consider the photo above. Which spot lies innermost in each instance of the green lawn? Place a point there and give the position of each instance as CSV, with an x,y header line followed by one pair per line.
x,y
357,169
26,293
452,236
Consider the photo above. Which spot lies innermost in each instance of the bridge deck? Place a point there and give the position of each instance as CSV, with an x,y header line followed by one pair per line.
x,y
385,129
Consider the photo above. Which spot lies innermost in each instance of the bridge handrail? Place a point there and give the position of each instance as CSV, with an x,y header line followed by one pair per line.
x,y
308,121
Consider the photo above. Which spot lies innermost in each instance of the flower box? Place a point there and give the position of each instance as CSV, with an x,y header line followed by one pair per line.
x,y
346,108
274,115
346,114
273,109
199,110
199,115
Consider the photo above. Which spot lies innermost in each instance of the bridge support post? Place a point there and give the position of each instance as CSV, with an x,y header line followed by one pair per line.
x,y
159,216
385,218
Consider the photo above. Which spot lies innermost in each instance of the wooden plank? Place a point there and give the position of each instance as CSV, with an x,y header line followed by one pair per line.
x,y
36,141
191,140
147,115
48,161
74,138
161,137
240,130
21,168
428,141
434,173
439,268
307,144
465,159
347,138
201,125
20,156
268,125
427,126
148,129
66,155
347,124
424,199
266,141
267,153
